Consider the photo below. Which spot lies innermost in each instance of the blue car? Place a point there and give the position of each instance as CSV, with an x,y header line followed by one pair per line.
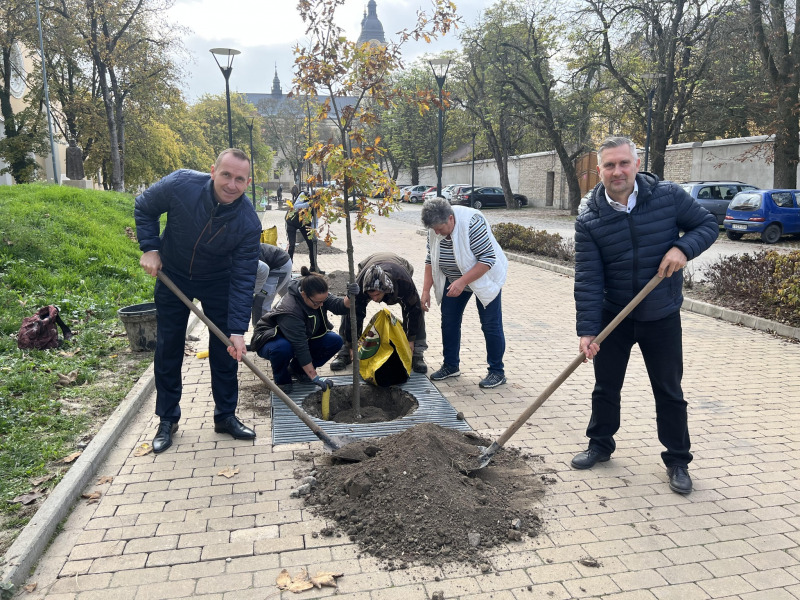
x,y
772,213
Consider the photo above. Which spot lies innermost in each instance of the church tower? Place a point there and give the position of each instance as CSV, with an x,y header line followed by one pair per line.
x,y
276,85
371,28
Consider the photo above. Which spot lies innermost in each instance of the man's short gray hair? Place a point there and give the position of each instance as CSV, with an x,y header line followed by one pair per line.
x,y
616,142
435,212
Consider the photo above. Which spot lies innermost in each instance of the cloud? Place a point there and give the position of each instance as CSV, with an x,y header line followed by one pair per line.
x,y
266,33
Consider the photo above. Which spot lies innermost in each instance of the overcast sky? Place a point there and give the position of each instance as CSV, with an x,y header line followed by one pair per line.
x,y
265,31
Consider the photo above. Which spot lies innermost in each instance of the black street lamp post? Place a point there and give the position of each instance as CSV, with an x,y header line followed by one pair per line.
x,y
653,79
249,122
440,66
226,72
472,183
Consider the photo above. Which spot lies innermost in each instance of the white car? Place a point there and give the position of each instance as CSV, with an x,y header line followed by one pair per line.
x,y
447,191
430,195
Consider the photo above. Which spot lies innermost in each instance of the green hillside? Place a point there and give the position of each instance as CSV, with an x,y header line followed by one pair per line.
x,y
75,249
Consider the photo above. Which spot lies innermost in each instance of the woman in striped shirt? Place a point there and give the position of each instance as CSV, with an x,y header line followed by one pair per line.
x,y
464,259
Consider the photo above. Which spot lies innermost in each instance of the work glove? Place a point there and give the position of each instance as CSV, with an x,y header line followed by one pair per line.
x,y
353,289
323,384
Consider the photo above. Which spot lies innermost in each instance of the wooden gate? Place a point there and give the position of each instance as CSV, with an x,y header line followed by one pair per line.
x,y
586,168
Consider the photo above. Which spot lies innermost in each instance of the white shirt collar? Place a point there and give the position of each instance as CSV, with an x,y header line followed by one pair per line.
x,y
631,200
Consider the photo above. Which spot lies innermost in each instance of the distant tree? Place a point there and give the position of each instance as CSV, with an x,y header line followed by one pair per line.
x,y
484,91
555,101
211,114
130,45
778,42
668,40
25,130
411,130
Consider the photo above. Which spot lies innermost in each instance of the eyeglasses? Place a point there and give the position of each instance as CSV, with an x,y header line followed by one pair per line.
x,y
315,303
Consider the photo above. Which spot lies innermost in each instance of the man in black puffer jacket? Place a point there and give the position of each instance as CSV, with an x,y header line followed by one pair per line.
x,y
209,248
630,231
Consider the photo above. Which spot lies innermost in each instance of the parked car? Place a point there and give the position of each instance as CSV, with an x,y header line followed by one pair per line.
x,y
458,190
487,196
584,203
414,193
448,190
430,195
715,196
772,213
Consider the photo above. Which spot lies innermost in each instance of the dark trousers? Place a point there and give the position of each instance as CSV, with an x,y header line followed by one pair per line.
x,y
279,352
491,317
172,318
291,235
661,345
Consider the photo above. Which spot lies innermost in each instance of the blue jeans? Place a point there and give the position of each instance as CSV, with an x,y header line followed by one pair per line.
x,y
661,345
280,353
491,317
172,318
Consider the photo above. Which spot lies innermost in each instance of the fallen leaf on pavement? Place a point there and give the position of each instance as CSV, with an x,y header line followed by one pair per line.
x,y
92,498
228,472
71,457
300,586
67,379
284,579
145,448
327,579
28,498
30,587
301,582
105,479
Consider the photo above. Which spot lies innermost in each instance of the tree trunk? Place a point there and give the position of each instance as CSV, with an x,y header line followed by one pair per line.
x,y
784,169
116,182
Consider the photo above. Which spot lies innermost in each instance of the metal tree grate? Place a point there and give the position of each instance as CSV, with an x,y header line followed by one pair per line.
x,y
433,408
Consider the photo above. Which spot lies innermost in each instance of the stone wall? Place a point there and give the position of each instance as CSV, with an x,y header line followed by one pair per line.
x,y
738,159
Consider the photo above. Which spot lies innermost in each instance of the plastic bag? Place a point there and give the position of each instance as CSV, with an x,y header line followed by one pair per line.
x,y
383,351
270,236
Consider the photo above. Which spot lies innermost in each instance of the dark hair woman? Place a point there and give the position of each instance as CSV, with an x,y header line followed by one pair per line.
x,y
295,336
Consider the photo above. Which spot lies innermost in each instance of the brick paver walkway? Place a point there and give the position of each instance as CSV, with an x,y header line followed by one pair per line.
x,y
170,526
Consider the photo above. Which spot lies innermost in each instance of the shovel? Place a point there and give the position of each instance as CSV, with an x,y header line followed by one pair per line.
x,y
333,442
488,453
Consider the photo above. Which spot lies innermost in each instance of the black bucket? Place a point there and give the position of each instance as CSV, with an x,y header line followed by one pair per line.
x,y
140,325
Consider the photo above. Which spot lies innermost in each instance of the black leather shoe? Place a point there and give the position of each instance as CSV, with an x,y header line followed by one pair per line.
x,y
234,427
298,374
589,458
679,480
163,439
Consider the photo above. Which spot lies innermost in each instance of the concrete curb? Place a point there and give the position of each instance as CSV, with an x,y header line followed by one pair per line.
x,y
24,553
689,305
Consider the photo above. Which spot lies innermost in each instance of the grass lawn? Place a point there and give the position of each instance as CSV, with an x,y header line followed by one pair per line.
x,y
75,249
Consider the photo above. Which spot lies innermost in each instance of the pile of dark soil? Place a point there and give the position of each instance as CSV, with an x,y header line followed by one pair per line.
x,y
337,282
408,502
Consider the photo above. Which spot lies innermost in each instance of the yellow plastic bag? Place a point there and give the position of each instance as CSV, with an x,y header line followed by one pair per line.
x,y
383,351
270,236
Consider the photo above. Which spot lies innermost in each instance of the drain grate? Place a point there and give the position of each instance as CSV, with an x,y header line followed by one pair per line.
x,y
433,408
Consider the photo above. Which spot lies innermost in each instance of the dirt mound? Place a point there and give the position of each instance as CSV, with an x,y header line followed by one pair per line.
x,y
408,501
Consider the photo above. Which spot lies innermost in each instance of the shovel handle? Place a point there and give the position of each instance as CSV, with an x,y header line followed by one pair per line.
x,y
302,415
512,429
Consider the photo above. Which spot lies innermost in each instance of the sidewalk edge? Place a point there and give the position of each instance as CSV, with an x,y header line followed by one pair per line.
x,y
24,553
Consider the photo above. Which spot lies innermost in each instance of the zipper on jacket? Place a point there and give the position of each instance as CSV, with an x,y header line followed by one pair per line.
x,y
200,237
635,246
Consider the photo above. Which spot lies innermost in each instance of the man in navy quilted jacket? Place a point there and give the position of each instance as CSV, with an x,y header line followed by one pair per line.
x,y
209,248
634,227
